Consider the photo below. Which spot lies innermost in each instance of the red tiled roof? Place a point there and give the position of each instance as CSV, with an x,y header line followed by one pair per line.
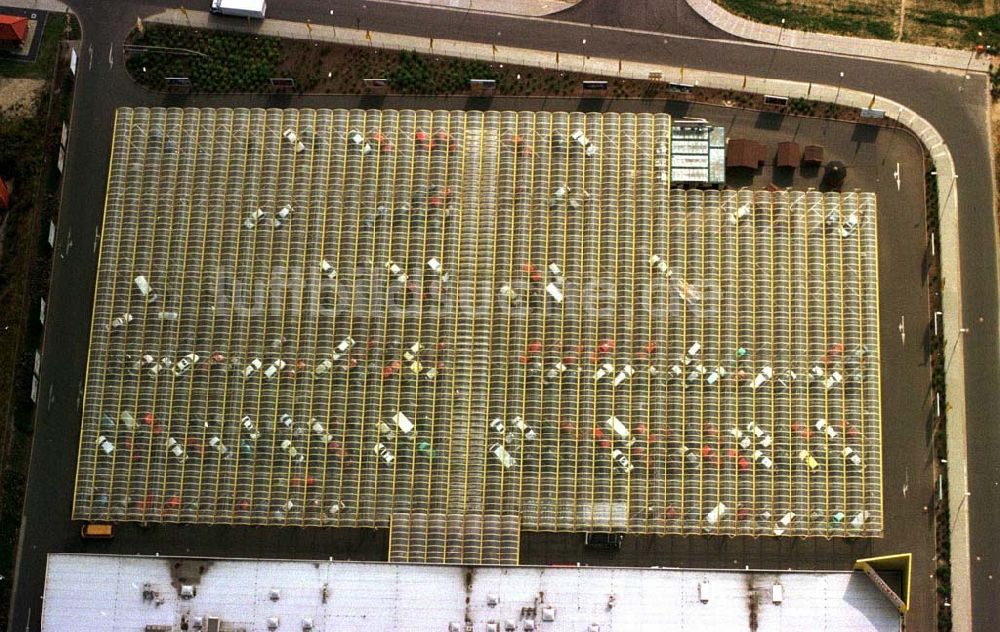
x,y
13,28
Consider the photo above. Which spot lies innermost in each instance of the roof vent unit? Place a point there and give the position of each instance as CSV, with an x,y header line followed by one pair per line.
x,y
509,625
188,591
492,626
704,591
492,600
777,593
594,627
197,622
548,613
454,627
275,594
307,625
529,625
213,624
273,623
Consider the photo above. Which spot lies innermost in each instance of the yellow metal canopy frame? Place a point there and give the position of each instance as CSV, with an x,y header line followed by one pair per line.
x,y
467,324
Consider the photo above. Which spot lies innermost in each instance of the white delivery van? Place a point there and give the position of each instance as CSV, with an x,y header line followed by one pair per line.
x,y
240,8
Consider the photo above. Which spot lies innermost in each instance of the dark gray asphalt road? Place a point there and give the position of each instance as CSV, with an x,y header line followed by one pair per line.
x,y
959,116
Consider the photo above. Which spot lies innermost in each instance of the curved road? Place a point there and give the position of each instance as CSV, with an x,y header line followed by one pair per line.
x,y
955,105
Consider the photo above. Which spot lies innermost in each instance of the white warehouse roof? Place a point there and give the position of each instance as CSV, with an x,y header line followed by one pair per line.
x,y
111,593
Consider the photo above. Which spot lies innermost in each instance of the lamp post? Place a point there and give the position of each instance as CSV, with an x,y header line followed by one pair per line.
x,y
839,83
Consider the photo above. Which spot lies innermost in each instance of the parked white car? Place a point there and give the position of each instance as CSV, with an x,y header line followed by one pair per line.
x,y
555,292
825,428
808,459
619,431
282,216
626,373
146,289
175,448
328,269
411,354
382,452
293,139
252,368
121,321
852,455
396,271
763,377
783,523
763,459
504,457
717,373
252,432
290,450
357,140
497,425
716,514
621,460
526,431
345,345
584,142
253,219
186,363
276,366
658,263
603,371
323,367
741,212
397,423
320,430
105,445
216,444
833,379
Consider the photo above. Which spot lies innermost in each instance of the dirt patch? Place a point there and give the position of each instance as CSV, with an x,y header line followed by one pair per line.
x,y
18,97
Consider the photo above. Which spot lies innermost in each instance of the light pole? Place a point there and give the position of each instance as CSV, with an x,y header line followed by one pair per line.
x,y
936,315
959,508
839,83
782,30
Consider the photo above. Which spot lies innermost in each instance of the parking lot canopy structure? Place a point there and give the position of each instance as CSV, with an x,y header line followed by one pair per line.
x,y
464,324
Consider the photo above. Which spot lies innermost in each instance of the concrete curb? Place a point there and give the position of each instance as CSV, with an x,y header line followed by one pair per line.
x,y
524,8
838,44
961,597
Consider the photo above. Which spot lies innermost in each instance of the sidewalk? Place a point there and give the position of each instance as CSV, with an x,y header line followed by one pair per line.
x,y
947,184
527,8
917,54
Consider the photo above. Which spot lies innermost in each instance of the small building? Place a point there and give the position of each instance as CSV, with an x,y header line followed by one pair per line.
x,y
697,153
742,153
812,156
789,155
13,30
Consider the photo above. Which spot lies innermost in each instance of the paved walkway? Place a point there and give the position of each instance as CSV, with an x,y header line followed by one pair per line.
x,y
41,5
529,8
837,44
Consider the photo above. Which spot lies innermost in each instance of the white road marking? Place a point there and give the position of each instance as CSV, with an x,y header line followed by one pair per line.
x,y
896,175
902,328
97,239
90,64
111,58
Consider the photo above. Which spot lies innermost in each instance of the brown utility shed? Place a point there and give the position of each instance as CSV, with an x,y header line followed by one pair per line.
x,y
789,155
812,156
743,153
